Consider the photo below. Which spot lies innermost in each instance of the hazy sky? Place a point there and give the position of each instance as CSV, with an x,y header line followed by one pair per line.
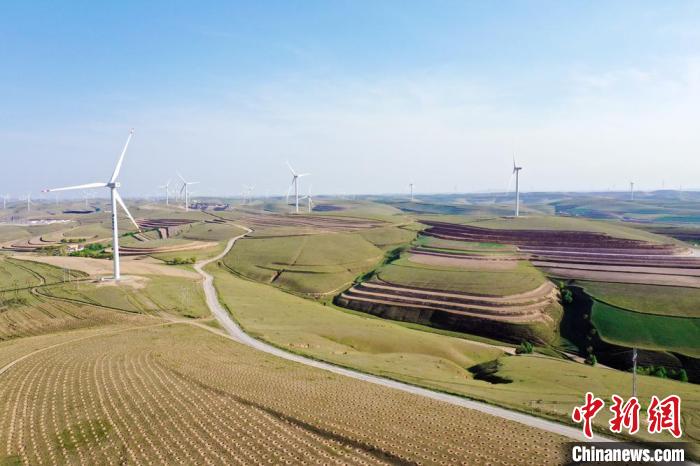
x,y
366,95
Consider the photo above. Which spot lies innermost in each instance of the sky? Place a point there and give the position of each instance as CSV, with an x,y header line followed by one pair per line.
x,y
367,96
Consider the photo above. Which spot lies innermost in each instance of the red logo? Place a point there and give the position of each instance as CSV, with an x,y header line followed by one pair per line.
x,y
665,415
587,412
624,415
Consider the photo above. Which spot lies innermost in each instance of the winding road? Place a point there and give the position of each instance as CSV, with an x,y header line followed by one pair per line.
x,y
237,334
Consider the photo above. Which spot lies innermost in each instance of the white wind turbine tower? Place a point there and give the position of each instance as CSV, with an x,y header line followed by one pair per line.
x,y
29,202
4,201
410,187
166,186
112,184
516,172
295,184
186,189
309,199
86,196
631,190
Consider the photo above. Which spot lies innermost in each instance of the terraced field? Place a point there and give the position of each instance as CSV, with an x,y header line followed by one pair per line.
x,y
473,278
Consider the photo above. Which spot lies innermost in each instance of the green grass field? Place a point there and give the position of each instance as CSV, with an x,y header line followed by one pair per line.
x,y
152,294
651,299
648,331
22,274
545,386
212,232
313,264
524,277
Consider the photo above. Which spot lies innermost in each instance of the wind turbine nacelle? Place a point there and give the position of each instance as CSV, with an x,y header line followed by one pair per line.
x,y
116,184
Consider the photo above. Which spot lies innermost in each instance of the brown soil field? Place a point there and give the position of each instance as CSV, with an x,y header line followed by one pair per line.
x,y
96,267
178,394
462,262
546,238
313,222
623,277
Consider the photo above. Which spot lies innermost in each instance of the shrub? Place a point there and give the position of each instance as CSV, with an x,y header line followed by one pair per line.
x,y
591,360
566,296
524,348
181,261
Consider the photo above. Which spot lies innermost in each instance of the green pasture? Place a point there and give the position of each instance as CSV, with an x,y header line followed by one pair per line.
x,y
651,299
313,264
648,331
212,232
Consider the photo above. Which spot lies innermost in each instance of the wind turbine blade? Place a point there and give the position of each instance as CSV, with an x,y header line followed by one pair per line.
x,y
121,158
121,203
303,174
80,186
291,169
180,176
184,185
193,182
289,190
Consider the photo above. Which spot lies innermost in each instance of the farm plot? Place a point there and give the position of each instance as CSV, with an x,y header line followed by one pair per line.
x,y
130,398
15,274
477,280
25,314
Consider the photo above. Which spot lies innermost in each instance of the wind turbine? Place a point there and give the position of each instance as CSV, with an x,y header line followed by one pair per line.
x,y
410,187
295,183
112,184
186,187
166,186
309,199
516,172
29,202
631,190
86,195
4,201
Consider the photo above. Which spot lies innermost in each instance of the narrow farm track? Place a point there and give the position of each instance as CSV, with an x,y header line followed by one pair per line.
x,y
237,334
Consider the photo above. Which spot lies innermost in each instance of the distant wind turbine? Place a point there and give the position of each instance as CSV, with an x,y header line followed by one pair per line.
x,y
29,202
4,201
112,184
186,187
166,186
410,187
516,172
309,199
631,190
295,184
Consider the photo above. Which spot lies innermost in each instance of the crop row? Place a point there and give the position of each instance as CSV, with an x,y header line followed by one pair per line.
x,y
178,394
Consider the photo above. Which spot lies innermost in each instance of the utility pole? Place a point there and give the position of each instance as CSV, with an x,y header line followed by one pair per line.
x,y
634,372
